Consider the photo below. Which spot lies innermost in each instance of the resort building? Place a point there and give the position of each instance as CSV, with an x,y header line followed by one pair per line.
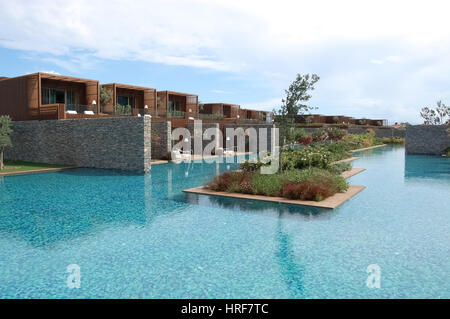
x,y
129,99
45,96
254,116
218,111
314,119
41,96
176,105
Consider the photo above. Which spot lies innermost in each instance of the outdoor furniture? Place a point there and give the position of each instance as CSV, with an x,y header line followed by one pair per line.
x,y
71,112
219,151
228,151
89,112
178,154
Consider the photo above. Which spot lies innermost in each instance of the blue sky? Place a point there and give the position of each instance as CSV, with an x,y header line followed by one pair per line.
x,y
381,59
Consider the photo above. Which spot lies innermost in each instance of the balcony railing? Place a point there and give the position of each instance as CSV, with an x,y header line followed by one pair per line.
x,y
210,116
249,120
176,114
123,110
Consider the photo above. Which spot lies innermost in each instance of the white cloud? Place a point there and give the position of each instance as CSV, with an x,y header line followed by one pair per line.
x,y
50,72
267,105
217,91
263,42
391,59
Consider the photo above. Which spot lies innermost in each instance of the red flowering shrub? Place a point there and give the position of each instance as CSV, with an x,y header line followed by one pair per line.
x,y
305,140
220,183
233,182
306,191
246,187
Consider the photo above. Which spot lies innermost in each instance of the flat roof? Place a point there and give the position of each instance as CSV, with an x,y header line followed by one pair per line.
x,y
129,87
178,93
237,105
56,77
255,110
59,77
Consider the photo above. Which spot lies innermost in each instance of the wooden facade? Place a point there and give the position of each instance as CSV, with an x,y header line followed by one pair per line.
x,y
42,96
254,116
138,97
26,97
222,110
178,105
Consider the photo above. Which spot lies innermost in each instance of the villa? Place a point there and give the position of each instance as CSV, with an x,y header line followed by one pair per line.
x,y
142,100
40,96
223,111
177,105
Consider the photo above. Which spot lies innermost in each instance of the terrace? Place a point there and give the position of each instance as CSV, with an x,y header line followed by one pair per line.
x,y
218,111
129,100
48,96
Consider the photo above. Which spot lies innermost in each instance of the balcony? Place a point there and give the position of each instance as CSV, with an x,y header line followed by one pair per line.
x,y
176,114
214,117
80,109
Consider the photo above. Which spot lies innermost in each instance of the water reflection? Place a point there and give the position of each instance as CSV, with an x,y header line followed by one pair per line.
x,y
430,167
291,270
248,205
44,209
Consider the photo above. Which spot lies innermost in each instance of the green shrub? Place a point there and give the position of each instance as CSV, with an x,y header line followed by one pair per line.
x,y
319,177
447,152
338,151
339,168
267,184
317,184
319,135
393,140
300,133
335,133
305,157
249,166
355,141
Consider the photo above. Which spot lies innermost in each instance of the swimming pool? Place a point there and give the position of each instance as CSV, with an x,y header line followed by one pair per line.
x,y
137,236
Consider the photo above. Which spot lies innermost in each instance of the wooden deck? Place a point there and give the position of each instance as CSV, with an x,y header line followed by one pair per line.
x,y
330,202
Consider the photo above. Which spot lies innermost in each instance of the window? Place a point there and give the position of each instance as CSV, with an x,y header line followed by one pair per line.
x,y
125,100
174,106
52,96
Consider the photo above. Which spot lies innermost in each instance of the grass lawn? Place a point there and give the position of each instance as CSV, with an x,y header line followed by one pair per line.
x,y
19,166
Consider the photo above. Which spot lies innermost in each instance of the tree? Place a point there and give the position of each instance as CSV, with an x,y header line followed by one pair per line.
x,y
105,95
5,139
298,93
438,116
293,104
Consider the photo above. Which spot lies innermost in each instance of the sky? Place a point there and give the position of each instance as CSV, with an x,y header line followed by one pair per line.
x,y
375,59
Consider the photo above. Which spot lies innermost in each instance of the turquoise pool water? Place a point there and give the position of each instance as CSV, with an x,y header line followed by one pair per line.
x,y
139,236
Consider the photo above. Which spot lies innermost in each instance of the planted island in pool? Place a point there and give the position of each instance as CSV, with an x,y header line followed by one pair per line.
x,y
309,169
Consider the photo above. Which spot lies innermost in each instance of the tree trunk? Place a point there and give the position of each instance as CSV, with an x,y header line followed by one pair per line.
x,y
1,159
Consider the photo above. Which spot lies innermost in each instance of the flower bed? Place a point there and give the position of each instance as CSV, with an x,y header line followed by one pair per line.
x,y
308,184
308,170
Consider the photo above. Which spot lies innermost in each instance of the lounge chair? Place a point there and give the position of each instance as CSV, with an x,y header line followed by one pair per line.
x,y
71,112
219,151
89,112
180,155
228,151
